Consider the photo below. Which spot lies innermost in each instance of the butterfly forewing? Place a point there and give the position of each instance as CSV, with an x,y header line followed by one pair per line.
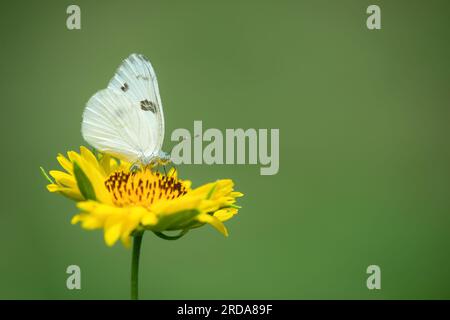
x,y
126,119
136,78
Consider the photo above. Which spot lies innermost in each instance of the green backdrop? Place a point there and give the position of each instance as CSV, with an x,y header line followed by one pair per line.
x,y
364,151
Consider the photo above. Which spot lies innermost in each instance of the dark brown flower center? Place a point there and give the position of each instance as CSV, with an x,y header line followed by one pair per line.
x,y
143,187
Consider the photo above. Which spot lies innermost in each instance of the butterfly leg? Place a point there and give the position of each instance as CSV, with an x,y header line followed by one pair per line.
x,y
135,167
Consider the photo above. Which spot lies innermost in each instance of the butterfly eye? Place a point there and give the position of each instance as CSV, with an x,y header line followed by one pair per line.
x,y
148,106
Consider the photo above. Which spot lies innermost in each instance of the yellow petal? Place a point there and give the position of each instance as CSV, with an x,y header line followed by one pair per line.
x,y
91,159
66,164
73,156
106,163
149,219
187,184
88,155
126,240
90,222
172,173
75,219
87,205
64,178
213,221
112,233
95,176
225,214
67,192
180,204
53,187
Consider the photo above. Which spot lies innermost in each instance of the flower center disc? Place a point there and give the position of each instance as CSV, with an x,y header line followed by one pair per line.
x,y
142,187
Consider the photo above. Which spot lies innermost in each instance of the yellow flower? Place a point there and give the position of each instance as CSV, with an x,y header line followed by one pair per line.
x,y
121,201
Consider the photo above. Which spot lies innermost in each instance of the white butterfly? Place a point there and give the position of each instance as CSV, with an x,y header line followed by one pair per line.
x,y
126,119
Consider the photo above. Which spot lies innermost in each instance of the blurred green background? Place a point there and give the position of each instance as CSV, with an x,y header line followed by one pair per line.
x,y
364,151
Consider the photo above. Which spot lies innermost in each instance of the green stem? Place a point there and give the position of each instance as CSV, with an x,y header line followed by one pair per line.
x,y
176,237
137,241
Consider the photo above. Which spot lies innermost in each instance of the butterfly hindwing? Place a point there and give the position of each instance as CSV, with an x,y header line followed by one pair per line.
x,y
113,124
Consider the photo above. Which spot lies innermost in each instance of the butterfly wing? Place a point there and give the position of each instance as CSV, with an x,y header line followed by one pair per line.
x,y
126,119
112,124
136,79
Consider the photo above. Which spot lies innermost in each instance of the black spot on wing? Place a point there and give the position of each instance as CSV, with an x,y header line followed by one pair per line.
x,y
148,106
125,87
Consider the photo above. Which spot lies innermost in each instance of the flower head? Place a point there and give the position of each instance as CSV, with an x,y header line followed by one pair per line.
x,y
121,201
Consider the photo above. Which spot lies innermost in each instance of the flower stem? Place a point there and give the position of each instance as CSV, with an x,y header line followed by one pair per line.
x,y
137,241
